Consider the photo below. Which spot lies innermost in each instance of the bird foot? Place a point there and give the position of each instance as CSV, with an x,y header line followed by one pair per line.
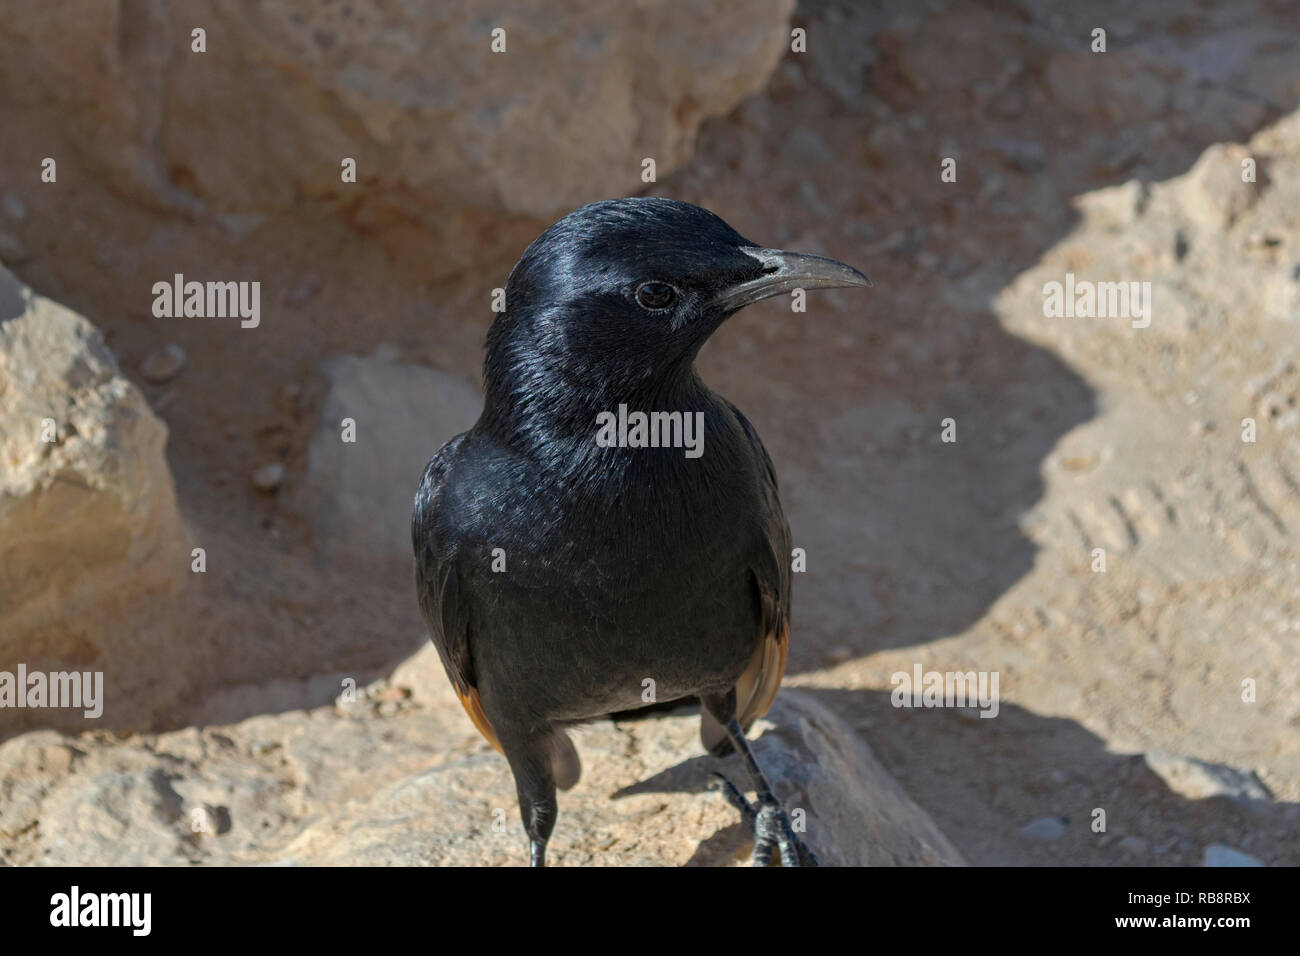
x,y
770,826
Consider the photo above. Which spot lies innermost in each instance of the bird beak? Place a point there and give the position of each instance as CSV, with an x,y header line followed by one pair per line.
x,y
785,272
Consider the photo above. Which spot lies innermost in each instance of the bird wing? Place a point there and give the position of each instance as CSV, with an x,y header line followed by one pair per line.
x,y
437,582
770,567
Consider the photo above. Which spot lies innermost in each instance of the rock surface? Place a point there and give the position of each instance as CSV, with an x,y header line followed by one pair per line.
x,y
359,493
400,777
446,134
1199,780
92,546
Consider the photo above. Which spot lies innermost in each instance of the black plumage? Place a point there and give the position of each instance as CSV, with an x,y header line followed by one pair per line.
x,y
557,575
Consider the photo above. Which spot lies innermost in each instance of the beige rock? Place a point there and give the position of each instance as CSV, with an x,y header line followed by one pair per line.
x,y
359,494
346,785
163,364
447,135
1199,522
91,543
856,814
1112,208
1213,193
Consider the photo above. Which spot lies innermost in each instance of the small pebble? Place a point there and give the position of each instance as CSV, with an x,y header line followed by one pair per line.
x,y
164,364
1220,855
269,477
1047,828
1080,463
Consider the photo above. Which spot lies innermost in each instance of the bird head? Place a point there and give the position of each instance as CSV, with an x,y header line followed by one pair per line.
x,y
620,295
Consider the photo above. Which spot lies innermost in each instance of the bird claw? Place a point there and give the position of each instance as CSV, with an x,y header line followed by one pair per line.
x,y
770,825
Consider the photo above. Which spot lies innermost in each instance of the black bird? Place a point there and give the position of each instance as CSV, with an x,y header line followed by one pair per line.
x,y
558,572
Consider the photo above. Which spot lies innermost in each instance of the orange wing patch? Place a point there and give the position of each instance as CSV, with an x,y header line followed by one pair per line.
x,y
758,685
474,707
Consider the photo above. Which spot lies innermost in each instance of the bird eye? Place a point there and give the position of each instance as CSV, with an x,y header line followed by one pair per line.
x,y
655,296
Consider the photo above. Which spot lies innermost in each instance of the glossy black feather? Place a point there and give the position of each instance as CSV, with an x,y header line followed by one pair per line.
x,y
622,564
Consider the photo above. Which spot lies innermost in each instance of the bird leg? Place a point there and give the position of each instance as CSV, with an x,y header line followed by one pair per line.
x,y
765,817
529,755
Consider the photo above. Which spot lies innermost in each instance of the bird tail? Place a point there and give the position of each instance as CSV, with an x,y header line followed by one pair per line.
x,y
755,690
564,759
